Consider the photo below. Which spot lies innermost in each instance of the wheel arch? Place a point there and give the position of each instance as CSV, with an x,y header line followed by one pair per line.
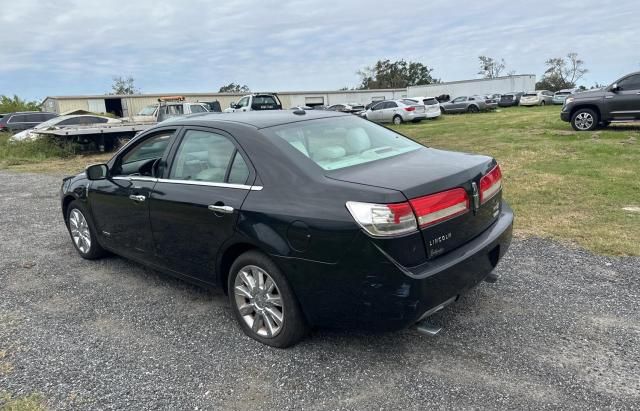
x,y
65,204
226,259
593,107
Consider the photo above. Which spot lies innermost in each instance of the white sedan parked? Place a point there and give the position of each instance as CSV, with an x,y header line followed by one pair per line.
x,y
396,111
431,105
63,121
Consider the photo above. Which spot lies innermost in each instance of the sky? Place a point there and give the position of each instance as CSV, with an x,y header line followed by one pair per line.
x,y
69,47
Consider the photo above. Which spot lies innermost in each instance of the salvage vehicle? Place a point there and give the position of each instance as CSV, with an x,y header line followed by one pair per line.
x,y
305,219
620,102
24,120
560,96
491,101
62,122
510,99
396,112
431,105
464,104
536,98
168,107
256,102
353,108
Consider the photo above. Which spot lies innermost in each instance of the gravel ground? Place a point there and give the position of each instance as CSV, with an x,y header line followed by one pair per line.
x,y
561,329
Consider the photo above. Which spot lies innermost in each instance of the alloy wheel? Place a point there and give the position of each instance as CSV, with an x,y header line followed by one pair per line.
x,y
80,231
259,301
584,121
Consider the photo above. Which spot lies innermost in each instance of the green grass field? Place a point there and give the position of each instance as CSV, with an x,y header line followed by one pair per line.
x,y
562,184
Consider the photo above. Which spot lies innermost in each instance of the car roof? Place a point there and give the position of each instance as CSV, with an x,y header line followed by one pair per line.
x,y
257,119
30,112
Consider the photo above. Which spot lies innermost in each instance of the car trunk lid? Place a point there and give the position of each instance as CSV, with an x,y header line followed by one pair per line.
x,y
429,171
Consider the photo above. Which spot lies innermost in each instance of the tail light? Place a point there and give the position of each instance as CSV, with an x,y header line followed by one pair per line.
x,y
439,207
383,219
490,184
409,108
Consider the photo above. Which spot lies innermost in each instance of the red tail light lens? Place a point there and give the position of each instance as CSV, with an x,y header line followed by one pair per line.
x,y
439,207
490,184
383,219
409,108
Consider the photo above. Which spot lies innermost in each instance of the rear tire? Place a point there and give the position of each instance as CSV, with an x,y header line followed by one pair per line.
x,y
83,232
584,119
263,303
472,109
397,120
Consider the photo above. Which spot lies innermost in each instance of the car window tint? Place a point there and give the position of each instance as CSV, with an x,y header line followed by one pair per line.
x,y
202,156
18,118
71,121
151,148
430,101
630,83
239,171
264,101
391,104
197,108
337,143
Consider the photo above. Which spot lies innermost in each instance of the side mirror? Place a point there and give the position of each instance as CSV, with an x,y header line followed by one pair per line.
x,y
615,87
97,172
232,104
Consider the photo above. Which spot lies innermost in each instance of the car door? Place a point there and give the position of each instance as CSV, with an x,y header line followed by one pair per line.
x,y
375,114
194,208
243,104
458,104
389,110
120,203
625,102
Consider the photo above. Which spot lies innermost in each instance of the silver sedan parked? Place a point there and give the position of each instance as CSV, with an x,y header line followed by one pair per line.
x,y
464,104
396,112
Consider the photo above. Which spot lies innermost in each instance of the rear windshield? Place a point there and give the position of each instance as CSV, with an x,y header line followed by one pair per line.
x,y
335,143
430,101
531,95
562,93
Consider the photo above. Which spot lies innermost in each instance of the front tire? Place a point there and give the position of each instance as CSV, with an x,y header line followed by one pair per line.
x,y
584,119
263,303
83,232
397,120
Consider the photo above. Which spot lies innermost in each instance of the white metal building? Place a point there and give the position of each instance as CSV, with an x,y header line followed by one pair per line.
x,y
501,85
129,105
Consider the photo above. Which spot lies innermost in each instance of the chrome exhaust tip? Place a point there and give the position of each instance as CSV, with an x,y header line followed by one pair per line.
x,y
424,327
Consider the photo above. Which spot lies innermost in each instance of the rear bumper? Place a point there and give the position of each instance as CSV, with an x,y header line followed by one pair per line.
x,y
369,290
507,103
433,114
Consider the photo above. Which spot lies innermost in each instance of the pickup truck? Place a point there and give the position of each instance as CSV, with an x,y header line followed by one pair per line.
x,y
255,102
169,107
618,102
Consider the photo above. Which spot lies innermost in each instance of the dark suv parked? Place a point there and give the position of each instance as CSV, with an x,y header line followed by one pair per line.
x,y
618,102
24,120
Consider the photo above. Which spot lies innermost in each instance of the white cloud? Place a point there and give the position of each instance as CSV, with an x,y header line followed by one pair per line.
x,y
77,46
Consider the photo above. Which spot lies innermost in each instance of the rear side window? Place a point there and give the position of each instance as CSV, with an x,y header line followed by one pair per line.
x,y
203,156
239,171
335,143
390,104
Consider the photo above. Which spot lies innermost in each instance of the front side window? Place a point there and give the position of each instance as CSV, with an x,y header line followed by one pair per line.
x,y
151,148
335,143
203,156
630,83
244,102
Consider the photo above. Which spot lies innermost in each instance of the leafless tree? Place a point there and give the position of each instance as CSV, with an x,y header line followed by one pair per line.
x,y
490,67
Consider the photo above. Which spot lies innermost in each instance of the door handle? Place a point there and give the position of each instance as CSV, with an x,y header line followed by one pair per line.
x,y
137,198
221,209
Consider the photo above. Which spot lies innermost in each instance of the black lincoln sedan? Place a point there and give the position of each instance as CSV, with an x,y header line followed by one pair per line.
x,y
304,218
